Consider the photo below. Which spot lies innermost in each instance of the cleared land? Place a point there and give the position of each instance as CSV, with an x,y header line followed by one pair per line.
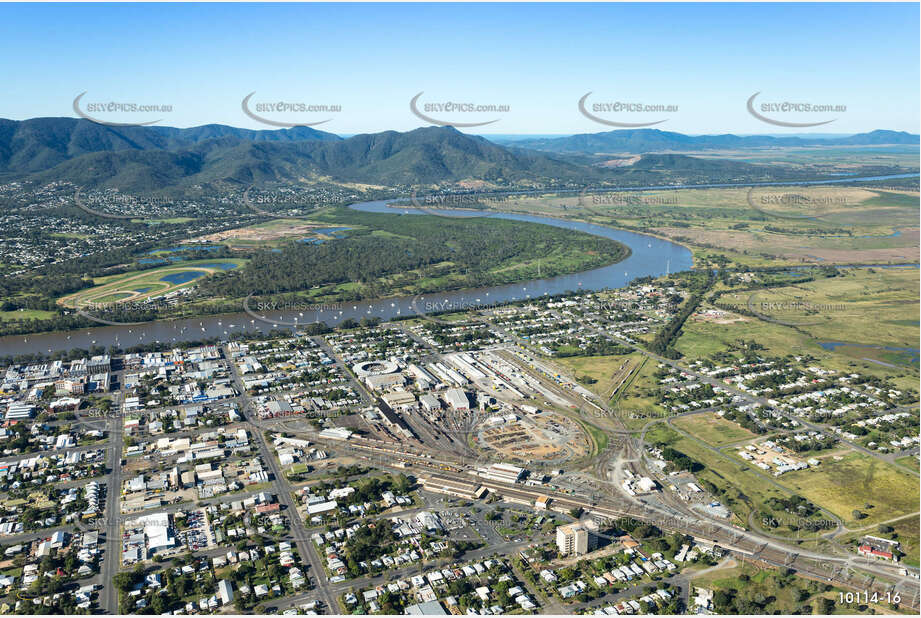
x,y
272,234
713,429
857,482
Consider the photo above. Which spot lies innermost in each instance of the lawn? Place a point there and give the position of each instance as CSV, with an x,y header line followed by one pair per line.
x,y
26,314
854,482
713,429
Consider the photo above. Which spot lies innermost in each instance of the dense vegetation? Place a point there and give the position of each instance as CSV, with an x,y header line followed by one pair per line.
x,y
480,250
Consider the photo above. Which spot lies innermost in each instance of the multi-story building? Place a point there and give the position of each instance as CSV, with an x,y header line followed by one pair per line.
x,y
574,539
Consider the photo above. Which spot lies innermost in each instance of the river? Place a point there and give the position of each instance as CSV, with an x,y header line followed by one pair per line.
x,y
650,257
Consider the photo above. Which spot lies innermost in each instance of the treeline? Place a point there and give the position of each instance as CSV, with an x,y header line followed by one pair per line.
x,y
698,282
662,342
744,420
602,347
680,461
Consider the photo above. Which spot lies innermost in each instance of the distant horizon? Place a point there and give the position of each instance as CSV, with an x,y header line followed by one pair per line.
x,y
508,136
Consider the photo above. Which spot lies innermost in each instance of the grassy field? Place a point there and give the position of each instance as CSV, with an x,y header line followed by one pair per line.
x,y
635,403
713,429
607,371
908,532
854,482
860,306
864,307
830,224
909,461
26,314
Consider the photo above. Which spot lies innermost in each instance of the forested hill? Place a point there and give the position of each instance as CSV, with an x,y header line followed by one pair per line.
x,y
38,144
146,159
218,158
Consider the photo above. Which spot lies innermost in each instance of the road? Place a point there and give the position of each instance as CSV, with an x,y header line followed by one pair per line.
x,y
113,553
283,490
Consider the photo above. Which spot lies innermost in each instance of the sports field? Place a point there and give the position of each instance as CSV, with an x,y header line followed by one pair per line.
x,y
141,285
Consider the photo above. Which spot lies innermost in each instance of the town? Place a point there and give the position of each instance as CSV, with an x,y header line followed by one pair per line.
x,y
426,465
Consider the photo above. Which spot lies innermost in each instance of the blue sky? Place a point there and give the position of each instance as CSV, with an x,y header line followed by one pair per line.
x,y
538,59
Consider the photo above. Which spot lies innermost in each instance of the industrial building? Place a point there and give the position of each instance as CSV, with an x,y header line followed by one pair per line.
x,y
504,473
457,399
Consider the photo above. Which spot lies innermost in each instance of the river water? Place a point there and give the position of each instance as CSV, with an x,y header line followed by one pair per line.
x,y
650,257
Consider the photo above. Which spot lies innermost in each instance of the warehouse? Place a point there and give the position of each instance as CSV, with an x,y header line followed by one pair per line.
x,y
457,399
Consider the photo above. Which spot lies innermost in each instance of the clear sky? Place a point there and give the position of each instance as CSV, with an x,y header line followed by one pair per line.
x,y
538,59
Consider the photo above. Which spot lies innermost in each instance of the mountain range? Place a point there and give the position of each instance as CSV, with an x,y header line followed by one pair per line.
x,y
641,141
145,159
